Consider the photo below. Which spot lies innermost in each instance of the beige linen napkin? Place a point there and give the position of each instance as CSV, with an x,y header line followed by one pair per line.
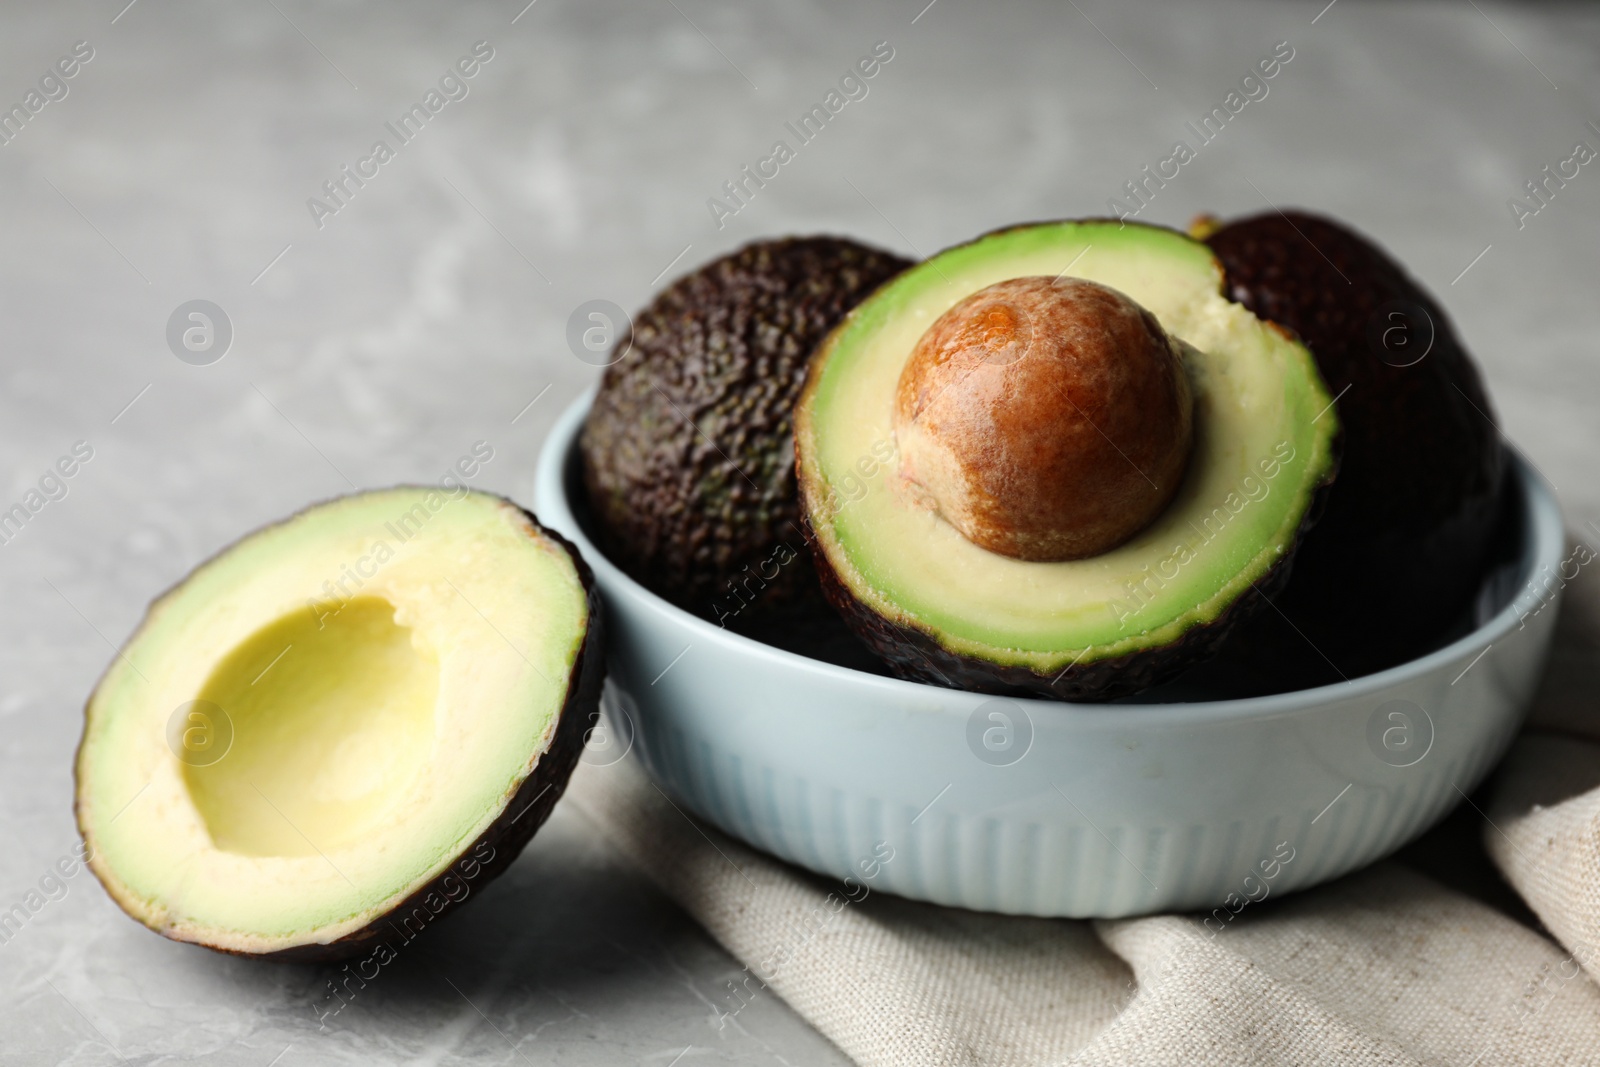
x,y
1383,967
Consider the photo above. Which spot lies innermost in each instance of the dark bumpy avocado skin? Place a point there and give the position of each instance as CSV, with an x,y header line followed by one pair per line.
x,y
1409,525
915,656
688,451
509,834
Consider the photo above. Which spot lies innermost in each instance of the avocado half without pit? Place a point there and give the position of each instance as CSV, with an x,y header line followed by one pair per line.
x,y
1057,461
342,726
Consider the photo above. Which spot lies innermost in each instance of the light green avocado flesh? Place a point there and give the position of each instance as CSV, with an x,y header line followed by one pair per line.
x,y
1265,429
377,674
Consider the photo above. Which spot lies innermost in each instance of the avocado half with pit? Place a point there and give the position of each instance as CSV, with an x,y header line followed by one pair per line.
x,y
342,726
1057,461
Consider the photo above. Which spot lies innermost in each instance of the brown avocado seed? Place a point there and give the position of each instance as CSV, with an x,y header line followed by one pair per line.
x,y
1045,418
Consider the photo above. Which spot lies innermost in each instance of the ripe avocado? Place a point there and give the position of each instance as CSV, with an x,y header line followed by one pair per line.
x,y
1397,557
342,726
1057,461
688,450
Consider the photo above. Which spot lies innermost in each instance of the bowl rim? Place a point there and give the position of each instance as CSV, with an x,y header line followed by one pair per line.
x,y
1545,540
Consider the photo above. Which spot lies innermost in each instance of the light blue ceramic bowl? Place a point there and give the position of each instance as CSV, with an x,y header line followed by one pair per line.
x,y
1042,808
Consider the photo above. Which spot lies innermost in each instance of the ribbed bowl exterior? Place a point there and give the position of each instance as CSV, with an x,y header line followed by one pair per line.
x,y
1058,809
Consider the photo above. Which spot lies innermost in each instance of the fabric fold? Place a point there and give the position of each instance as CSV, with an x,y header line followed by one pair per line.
x,y
1385,966
889,981
1543,832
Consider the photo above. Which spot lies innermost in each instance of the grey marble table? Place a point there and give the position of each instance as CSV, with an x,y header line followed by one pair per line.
x,y
378,336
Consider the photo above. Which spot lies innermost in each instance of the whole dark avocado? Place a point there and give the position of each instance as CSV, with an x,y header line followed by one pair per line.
x,y
1396,559
688,450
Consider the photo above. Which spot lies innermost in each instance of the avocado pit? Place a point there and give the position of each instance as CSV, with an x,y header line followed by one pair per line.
x,y
1046,419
